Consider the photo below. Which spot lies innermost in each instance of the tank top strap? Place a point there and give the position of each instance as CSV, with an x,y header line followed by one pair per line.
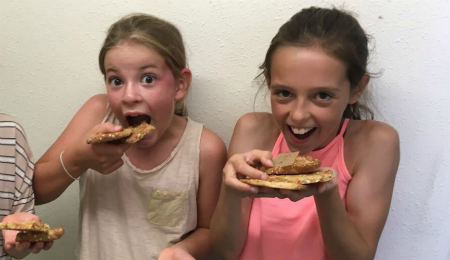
x,y
278,145
110,117
344,126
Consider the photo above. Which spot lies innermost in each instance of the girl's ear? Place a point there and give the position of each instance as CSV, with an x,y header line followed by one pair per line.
x,y
184,82
357,92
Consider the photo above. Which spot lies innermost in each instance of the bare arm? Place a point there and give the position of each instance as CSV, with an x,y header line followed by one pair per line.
x,y
212,158
230,221
355,235
50,179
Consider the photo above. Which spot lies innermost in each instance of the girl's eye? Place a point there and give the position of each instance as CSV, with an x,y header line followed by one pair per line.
x,y
283,93
114,81
148,79
323,96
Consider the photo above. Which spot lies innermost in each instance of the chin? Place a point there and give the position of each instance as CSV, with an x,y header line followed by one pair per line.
x,y
145,143
302,149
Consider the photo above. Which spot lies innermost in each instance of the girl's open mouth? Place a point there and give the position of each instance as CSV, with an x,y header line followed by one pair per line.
x,y
134,120
302,133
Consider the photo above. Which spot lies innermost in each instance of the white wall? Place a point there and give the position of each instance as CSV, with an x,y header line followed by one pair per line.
x,y
48,68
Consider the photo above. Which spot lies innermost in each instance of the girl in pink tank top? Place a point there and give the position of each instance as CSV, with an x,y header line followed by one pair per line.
x,y
315,69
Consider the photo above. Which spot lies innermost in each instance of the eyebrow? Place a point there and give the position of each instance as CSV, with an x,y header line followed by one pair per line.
x,y
140,68
317,88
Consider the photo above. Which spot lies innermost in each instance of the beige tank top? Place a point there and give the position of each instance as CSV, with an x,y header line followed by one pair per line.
x,y
133,213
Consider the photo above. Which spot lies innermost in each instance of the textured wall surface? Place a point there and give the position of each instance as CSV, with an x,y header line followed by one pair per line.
x,y
48,69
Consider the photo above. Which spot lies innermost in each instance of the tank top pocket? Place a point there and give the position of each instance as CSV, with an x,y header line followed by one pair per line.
x,y
166,207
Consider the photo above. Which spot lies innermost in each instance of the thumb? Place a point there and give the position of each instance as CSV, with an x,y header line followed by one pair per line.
x,y
108,128
266,159
8,245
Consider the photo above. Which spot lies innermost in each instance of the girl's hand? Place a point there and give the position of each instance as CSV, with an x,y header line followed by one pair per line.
x,y
320,188
16,249
174,253
104,157
242,165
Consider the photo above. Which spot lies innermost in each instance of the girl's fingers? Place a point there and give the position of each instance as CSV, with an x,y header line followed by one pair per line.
x,y
243,165
265,192
296,195
250,171
110,168
48,245
37,247
22,246
106,128
256,157
243,188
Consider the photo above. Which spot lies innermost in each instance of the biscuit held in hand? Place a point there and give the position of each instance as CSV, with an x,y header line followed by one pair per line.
x,y
293,181
108,137
139,131
31,236
130,134
25,226
302,164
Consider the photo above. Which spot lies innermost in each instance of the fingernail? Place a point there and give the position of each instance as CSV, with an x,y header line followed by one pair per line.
x,y
264,177
254,190
270,162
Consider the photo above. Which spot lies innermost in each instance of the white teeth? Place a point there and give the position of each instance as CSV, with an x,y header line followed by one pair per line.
x,y
301,131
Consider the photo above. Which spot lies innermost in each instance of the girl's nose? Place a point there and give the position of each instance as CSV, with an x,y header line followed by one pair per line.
x,y
300,111
131,94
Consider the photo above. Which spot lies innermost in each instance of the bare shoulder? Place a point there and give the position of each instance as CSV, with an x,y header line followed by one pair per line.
x,y
255,121
372,133
90,114
254,131
211,145
97,104
213,152
370,140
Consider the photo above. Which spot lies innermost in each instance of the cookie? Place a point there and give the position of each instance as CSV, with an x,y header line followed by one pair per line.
x,y
302,164
108,137
50,235
293,182
25,226
130,134
139,132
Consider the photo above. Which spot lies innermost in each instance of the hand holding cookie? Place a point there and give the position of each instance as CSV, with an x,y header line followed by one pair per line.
x,y
294,178
33,231
15,226
130,134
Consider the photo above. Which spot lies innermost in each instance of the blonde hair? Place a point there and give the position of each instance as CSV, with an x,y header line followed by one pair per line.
x,y
159,35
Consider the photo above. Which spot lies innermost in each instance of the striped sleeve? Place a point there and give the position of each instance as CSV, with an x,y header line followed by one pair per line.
x,y
16,171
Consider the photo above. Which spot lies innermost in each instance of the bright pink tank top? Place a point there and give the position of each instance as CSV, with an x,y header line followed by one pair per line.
x,y
282,229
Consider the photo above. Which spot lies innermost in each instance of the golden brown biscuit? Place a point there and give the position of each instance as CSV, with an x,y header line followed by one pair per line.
x,y
293,182
302,164
108,137
139,132
35,226
50,235
130,134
